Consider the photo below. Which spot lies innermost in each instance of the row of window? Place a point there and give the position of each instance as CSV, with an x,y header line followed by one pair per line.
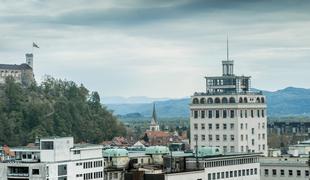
x,y
224,126
224,138
226,100
228,113
232,174
90,164
231,162
94,175
274,172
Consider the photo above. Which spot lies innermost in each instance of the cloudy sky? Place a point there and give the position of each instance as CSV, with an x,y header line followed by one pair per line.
x,y
159,48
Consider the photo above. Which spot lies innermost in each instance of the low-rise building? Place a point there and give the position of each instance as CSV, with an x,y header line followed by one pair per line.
x,y
56,158
285,168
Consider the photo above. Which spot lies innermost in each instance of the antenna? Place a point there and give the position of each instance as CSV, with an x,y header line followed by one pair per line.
x,y
227,49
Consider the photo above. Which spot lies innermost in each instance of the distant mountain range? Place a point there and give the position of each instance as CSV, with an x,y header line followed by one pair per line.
x,y
290,101
130,100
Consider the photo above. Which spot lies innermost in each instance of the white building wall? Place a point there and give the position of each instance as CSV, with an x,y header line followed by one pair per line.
x,y
193,175
242,124
284,168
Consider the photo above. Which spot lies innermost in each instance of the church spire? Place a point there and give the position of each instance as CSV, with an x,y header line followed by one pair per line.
x,y
154,114
154,126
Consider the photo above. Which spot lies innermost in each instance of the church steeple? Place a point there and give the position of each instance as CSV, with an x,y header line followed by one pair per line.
x,y
154,126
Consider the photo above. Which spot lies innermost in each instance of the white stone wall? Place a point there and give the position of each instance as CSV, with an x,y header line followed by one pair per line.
x,y
16,74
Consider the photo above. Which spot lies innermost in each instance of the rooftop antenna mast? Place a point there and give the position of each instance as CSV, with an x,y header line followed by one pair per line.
x,y
227,49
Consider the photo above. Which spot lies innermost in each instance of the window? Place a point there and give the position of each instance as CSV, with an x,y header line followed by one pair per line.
x,y
217,137
232,148
35,172
232,100
195,126
76,152
241,137
241,126
224,137
306,173
217,114
241,114
246,113
290,172
225,149
224,113
258,114
224,126
115,176
252,130
263,135
62,170
203,114
252,113
217,126
210,126
282,172
232,137
242,149
209,114
298,172
232,125
195,137
203,137
258,136
274,172
263,125
252,142
232,113
195,114
202,126
210,137
263,113
47,145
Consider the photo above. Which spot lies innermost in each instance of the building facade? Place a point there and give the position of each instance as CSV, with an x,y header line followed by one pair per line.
x,y
228,115
284,168
55,159
22,73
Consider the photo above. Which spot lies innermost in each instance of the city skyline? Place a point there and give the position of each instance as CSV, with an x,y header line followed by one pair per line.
x,y
147,48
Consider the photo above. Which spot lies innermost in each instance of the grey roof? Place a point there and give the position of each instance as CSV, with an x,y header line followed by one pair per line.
x,y
23,66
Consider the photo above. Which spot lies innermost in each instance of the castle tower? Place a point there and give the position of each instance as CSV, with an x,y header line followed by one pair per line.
x,y
29,59
154,126
228,115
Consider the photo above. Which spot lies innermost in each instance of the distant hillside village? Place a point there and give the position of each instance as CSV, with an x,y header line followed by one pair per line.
x,y
22,73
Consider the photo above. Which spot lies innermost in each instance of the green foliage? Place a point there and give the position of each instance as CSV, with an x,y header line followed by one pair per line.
x,y
54,108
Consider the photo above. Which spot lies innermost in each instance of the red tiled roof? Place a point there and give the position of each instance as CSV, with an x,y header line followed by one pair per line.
x,y
157,134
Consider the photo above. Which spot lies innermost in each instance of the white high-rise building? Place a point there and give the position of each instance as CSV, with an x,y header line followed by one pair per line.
x,y
229,115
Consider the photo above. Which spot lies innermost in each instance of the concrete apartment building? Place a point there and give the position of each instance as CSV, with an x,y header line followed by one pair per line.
x,y
55,158
228,115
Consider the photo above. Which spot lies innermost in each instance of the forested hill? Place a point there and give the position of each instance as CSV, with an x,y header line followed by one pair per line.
x,y
54,108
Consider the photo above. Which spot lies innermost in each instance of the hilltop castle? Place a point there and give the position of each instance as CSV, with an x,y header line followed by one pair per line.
x,y
22,73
